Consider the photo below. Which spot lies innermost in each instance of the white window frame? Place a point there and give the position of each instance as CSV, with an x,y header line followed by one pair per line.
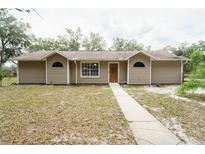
x,y
82,76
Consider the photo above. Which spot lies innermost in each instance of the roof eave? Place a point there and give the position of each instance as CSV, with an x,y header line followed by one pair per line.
x,y
142,53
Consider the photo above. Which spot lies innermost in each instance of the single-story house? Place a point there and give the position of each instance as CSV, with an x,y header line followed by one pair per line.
x,y
100,67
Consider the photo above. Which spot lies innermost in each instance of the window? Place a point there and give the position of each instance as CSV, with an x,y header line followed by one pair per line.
x,y
90,69
57,64
139,64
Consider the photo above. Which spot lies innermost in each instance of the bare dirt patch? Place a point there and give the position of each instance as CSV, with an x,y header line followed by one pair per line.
x,y
185,119
197,96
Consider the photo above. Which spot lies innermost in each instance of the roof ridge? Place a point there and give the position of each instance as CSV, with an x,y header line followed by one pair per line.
x,y
97,55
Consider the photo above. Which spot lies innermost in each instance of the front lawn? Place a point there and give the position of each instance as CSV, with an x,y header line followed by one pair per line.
x,y
185,119
61,115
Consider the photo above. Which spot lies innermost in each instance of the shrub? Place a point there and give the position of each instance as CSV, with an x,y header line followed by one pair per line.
x,y
191,85
2,74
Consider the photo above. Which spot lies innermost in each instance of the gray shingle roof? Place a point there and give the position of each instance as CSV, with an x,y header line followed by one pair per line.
x,y
99,55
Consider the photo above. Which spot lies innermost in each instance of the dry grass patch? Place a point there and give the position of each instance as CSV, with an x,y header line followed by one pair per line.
x,y
61,115
198,97
189,115
8,81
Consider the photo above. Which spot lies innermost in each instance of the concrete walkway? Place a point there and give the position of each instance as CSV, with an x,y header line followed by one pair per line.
x,y
146,128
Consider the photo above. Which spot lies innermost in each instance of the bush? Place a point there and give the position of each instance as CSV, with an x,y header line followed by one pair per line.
x,y
10,71
191,85
2,74
197,80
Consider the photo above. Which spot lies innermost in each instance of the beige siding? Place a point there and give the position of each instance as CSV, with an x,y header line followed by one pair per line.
x,y
56,75
72,72
32,72
167,72
139,75
123,72
103,78
103,73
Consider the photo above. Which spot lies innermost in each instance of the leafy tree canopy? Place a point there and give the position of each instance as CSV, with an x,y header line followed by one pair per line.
x,y
74,38
94,42
195,52
120,44
68,42
14,36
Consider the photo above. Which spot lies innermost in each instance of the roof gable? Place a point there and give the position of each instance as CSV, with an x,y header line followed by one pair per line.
x,y
144,53
53,53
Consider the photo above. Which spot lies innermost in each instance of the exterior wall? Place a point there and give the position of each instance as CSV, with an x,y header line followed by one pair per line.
x,y
103,79
166,72
32,72
72,72
56,75
123,72
139,75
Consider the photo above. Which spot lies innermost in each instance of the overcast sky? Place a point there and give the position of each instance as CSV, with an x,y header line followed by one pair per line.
x,y
155,27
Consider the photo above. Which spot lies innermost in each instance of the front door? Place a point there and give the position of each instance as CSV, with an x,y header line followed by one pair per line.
x,y
113,72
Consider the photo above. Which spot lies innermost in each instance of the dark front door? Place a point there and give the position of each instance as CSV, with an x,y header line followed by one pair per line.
x,y
113,72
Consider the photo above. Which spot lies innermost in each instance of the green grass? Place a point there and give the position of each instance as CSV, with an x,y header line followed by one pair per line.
x,y
61,115
8,81
190,115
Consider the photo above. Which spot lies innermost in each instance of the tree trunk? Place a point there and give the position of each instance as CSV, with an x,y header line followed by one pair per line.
x,y
1,78
1,59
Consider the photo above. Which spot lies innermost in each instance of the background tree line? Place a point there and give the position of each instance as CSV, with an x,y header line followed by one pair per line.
x,y
75,40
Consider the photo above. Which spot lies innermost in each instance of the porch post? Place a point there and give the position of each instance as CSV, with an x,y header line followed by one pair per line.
x,y
128,72
17,73
46,71
68,72
150,72
182,72
76,73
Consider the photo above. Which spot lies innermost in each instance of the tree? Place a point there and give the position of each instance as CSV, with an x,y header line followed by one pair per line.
x,y
74,38
196,57
68,42
120,44
194,52
14,36
94,42
38,44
